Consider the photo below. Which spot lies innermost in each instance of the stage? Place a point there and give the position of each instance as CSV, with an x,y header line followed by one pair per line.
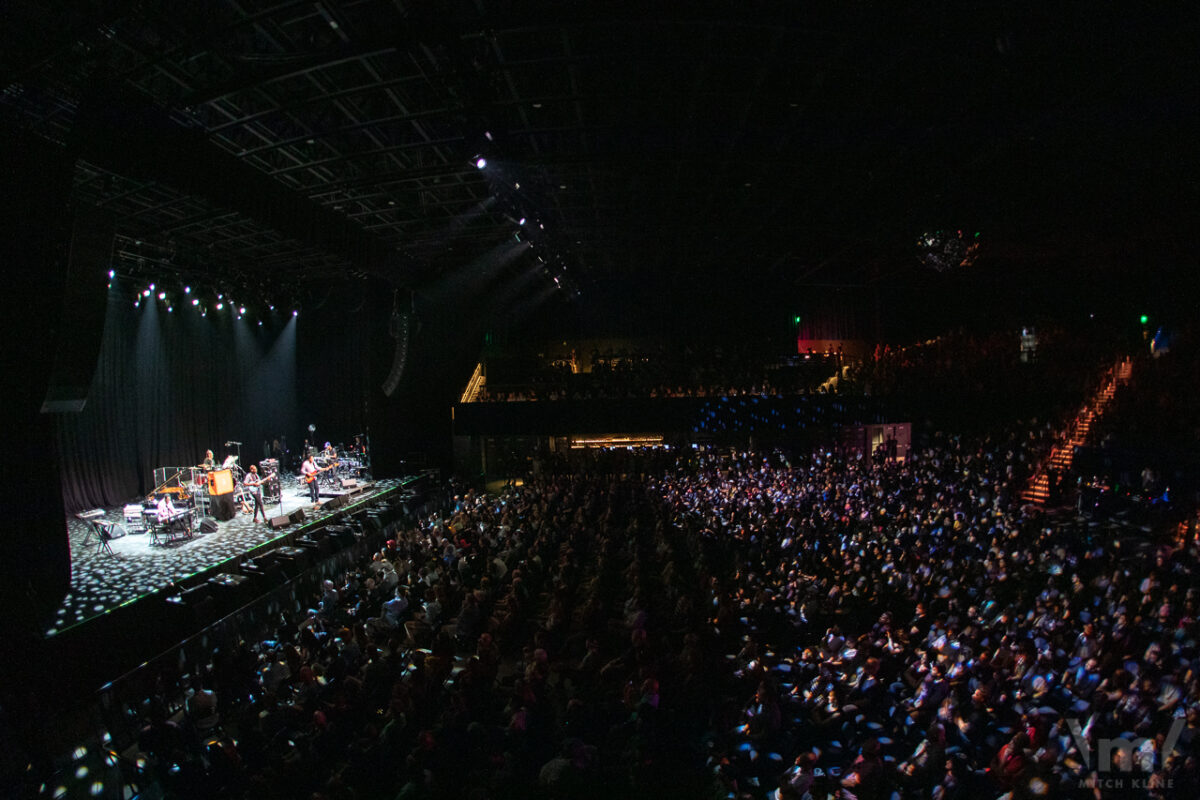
x,y
136,567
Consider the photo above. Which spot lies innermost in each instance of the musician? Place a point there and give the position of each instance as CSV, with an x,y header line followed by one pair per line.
x,y
329,452
166,509
309,470
209,463
252,484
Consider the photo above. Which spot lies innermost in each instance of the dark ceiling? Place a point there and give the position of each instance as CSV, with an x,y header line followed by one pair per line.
x,y
650,146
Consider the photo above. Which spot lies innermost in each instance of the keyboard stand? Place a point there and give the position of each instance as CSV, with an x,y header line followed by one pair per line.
x,y
103,532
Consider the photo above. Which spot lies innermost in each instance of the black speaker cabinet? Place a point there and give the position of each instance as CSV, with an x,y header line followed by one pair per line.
x,y
222,507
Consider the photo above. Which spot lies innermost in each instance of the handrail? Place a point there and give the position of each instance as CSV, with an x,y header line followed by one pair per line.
x,y
474,385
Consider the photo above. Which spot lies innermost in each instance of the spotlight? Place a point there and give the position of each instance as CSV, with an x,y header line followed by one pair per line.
x,y
260,323
220,306
242,310
146,293
521,221
195,301
272,308
487,135
170,309
187,290
480,162
295,313
220,296
152,287
112,273
162,295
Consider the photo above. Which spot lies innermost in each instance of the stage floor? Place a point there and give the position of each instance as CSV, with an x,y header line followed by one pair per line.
x,y
101,582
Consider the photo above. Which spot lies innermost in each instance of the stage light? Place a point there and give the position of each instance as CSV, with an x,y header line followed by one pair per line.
x,y
480,162
516,185
220,296
242,310
220,306
170,309
295,313
487,135
146,293
162,295
260,323
112,273
152,287
195,301
187,290
272,308
521,221
1145,319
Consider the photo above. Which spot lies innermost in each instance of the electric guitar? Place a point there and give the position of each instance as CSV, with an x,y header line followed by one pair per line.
x,y
312,476
247,507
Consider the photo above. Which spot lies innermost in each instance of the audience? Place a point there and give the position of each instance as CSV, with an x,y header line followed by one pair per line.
x,y
734,624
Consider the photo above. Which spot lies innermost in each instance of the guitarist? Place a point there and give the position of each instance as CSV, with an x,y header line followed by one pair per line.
x,y
310,471
252,485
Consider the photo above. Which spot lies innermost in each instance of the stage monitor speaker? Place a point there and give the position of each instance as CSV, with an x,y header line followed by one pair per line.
x,y
85,302
349,483
297,515
222,507
279,522
334,503
208,525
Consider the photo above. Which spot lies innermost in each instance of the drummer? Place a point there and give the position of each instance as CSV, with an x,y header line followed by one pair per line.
x,y
329,452
209,463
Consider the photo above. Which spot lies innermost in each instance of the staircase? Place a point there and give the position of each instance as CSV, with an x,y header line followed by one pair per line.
x,y
1062,455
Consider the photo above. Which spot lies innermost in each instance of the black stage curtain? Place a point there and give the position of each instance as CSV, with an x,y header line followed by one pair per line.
x,y
340,333
167,387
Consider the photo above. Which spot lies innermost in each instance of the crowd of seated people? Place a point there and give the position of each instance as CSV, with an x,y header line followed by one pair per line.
x,y
1158,410
990,366
987,367
741,625
661,372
